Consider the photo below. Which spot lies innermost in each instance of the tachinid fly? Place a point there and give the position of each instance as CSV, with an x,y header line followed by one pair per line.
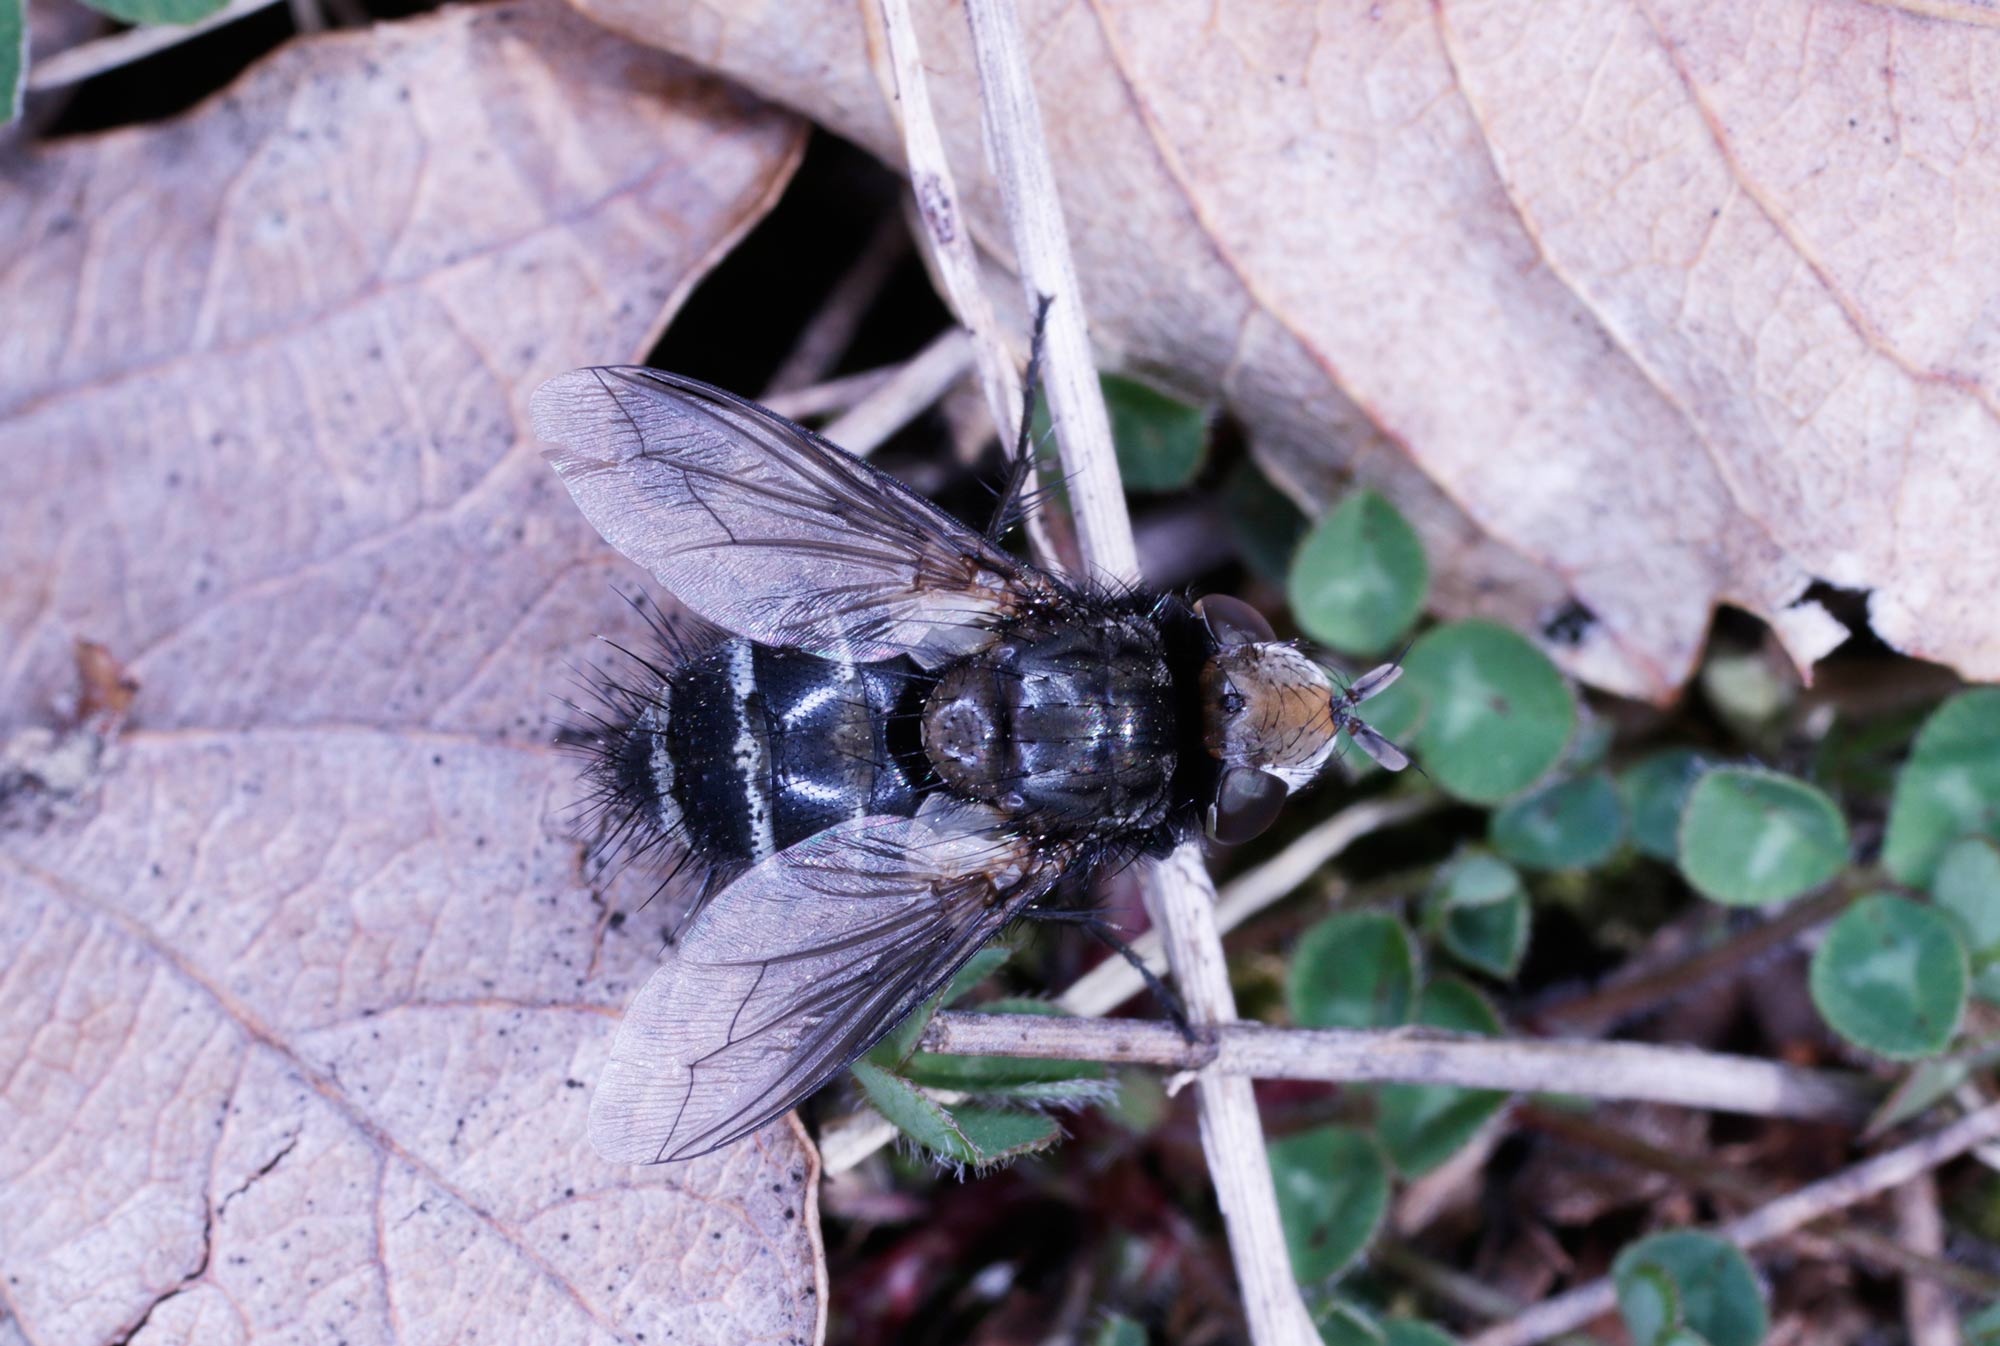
x,y
897,738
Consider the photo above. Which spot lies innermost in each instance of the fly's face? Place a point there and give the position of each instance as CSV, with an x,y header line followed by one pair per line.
x,y
1271,716
1268,707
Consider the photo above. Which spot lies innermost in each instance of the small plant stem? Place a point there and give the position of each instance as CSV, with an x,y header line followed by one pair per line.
x,y
830,331
1682,1076
943,220
1599,1010
839,394
1441,1282
1927,1312
1027,181
1704,1174
909,391
134,44
1787,1214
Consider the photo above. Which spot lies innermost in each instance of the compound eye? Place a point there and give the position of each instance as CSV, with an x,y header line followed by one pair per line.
x,y
1234,622
1246,803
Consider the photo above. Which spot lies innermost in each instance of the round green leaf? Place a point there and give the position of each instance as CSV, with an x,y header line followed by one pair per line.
x,y
1355,969
1967,886
1650,1303
1160,440
1497,714
1751,837
1571,824
1422,1125
1891,977
1358,580
1949,788
1717,1291
1983,1327
1333,1189
1479,911
1655,790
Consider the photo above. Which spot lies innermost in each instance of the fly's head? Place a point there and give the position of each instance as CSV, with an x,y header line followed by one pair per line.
x,y
1272,716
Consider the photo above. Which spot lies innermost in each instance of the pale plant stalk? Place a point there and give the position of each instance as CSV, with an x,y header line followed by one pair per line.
x,y
904,396
834,395
943,220
830,331
1928,1316
1182,896
1641,1071
134,44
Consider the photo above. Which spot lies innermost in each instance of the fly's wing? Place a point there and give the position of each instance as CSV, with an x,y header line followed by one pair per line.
x,y
797,968
763,527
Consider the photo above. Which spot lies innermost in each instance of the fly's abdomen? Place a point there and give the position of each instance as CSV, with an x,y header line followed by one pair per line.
x,y
751,749
1074,728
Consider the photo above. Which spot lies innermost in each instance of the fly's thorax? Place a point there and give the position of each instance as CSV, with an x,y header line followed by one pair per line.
x,y
1267,706
1069,726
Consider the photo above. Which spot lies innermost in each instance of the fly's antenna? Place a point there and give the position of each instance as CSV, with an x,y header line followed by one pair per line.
x,y
1372,683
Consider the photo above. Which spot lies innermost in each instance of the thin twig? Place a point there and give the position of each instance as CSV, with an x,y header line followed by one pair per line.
x,y
306,17
820,399
134,44
1850,1187
1683,1076
1927,1310
943,221
1443,1282
1027,180
1114,981
1232,1132
1611,1004
941,227
1702,1173
906,395
830,331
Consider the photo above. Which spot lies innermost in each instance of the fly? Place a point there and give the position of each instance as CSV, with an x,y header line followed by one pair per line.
x,y
890,739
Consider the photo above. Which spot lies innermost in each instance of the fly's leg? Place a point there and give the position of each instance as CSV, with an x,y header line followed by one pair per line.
x,y
1016,497
1094,924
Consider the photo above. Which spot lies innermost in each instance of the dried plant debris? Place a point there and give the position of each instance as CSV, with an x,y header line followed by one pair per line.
x,y
298,1009
1722,314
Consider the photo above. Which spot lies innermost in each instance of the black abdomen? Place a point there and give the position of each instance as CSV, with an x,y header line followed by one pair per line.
x,y
749,749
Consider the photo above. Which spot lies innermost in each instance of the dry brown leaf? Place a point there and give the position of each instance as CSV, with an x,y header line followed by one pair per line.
x,y
299,985
1648,306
